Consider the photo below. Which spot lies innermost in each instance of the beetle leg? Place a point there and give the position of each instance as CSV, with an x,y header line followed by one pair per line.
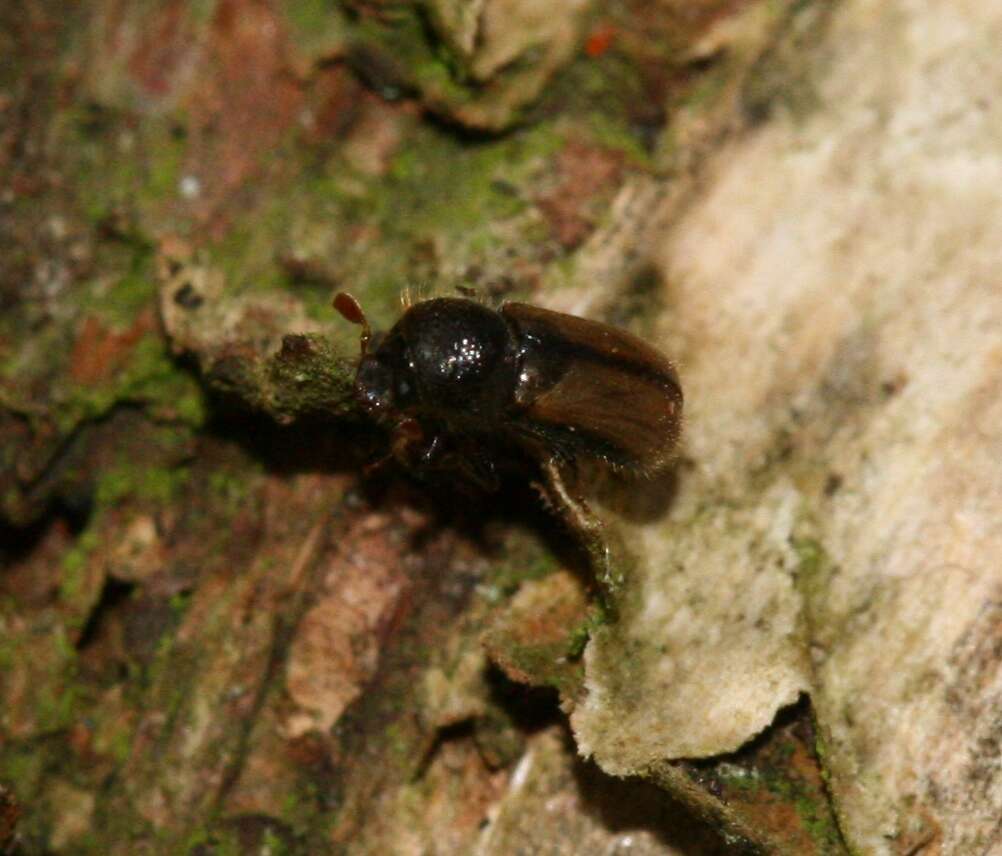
x,y
475,464
405,446
431,451
479,467
407,436
587,527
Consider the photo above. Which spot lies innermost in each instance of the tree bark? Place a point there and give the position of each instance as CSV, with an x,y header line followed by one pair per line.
x,y
221,630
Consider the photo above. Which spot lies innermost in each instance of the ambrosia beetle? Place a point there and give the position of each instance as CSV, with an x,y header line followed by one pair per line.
x,y
458,383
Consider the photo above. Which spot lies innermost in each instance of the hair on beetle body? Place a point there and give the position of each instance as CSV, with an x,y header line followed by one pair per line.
x,y
459,383
415,293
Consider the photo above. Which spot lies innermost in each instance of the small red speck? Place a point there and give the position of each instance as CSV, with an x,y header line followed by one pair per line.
x,y
599,40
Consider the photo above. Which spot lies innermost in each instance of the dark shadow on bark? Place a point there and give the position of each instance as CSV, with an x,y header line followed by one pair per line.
x,y
624,805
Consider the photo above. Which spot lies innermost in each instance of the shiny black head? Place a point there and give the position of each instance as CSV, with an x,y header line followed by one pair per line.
x,y
383,377
447,357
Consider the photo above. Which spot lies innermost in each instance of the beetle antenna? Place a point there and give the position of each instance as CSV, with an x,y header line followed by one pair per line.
x,y
351,310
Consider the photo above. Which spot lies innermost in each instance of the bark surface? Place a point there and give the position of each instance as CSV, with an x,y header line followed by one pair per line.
x,y
220,631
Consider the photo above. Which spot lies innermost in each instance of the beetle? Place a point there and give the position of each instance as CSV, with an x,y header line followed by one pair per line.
x,y
459,382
